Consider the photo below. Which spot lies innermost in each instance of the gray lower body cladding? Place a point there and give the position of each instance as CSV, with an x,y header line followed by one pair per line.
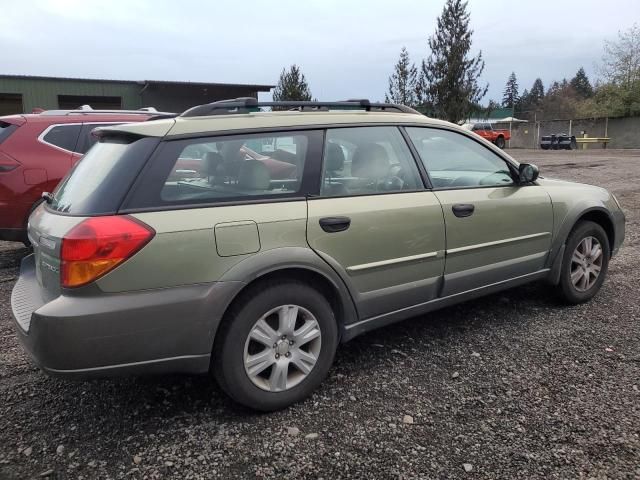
x,y
151,331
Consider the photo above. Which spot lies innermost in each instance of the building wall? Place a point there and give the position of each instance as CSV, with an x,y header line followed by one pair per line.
x,y
178,98
43,93
165,96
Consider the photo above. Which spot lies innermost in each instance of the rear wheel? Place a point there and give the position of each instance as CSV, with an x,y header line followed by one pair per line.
x,y
276,346
500,142
585,262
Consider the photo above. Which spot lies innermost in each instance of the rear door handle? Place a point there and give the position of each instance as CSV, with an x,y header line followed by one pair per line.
x,y
335,224
463,209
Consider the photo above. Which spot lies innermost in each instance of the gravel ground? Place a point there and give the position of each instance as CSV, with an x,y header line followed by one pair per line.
x,y
510,386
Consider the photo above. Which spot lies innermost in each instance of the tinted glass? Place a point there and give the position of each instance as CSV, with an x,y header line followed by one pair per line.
x,y
236,167
63,136
98,182
6,129
87,140
454,160
367,160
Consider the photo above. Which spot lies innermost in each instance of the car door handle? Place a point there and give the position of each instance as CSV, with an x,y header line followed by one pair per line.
x,y
335,224
463,209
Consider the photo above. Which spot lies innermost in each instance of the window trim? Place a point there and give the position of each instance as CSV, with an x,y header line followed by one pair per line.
x,y
78,140
309,181
51,127
425,181
513,168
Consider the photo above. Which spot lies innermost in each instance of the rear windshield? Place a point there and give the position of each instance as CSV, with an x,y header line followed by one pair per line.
x,y
99,182
6,129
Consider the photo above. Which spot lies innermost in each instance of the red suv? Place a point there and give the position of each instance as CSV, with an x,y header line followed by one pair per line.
x,y
37,150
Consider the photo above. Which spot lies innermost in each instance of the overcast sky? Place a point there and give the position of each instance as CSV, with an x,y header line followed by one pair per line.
x,y
346,48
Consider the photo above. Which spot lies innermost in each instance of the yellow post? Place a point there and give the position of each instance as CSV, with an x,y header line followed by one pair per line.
x,y
584,145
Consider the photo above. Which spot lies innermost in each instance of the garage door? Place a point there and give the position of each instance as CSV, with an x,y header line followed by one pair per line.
x,y
10,103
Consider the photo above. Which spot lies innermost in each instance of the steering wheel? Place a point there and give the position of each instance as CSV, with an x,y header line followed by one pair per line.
x,y
394,179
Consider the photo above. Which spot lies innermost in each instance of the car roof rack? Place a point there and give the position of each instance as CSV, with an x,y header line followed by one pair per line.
x,y
87,110
250,104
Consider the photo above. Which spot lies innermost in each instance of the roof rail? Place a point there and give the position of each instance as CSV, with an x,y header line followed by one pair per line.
x,y
250,104
87,110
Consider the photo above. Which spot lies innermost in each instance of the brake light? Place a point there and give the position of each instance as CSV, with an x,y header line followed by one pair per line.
x,y
99,244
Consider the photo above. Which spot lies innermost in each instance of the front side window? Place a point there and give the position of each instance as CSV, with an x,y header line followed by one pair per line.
x,y
454,160
63,136
367,160
237,167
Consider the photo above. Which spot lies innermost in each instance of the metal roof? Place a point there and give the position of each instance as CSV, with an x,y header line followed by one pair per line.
x,y
258,87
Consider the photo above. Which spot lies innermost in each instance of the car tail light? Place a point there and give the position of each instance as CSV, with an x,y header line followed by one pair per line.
x,y
99,244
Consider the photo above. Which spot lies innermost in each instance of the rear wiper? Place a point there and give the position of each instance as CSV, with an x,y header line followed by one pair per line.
x,y
47,197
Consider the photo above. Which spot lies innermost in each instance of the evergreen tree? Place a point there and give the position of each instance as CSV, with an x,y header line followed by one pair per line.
x,y
581,85
524,101
292,86
510,96
448,84
537,92
403,81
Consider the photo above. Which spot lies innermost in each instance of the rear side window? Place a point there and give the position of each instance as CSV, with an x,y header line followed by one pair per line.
x,y
367,161
6,129
63,136
230,168
98,183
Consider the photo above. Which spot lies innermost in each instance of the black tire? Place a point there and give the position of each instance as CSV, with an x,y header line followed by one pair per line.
x,y
500,143
568,292
229,348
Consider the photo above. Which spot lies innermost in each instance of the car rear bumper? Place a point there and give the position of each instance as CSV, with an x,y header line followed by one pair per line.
x,y
153,331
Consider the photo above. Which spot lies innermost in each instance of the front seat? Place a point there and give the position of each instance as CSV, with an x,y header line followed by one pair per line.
x,y
254,175
334,162
370,161
213,167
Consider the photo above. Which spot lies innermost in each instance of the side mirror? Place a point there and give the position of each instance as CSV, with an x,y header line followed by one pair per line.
x,y
528,173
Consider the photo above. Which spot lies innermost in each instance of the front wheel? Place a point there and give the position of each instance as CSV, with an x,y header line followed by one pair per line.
x,y
500,142
276,346
585,263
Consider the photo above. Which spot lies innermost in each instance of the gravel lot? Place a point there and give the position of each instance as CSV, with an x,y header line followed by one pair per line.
x,y
510,386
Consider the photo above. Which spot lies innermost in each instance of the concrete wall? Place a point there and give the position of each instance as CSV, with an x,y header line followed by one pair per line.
x,y
623,132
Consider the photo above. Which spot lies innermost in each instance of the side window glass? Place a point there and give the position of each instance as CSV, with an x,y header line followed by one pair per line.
x,y
366,161
236,167
487,126
453,160
63,136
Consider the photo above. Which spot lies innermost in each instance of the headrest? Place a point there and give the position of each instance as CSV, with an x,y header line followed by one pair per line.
x,y
212,162
370,161
254,175
335,157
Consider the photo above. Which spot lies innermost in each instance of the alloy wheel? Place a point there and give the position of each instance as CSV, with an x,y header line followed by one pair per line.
x,y
282,348
586,264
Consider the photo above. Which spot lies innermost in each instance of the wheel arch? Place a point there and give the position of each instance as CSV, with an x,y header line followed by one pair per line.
x,y
596,214
298,264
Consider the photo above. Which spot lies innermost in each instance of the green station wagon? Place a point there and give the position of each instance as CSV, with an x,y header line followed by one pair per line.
x,y
250,243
